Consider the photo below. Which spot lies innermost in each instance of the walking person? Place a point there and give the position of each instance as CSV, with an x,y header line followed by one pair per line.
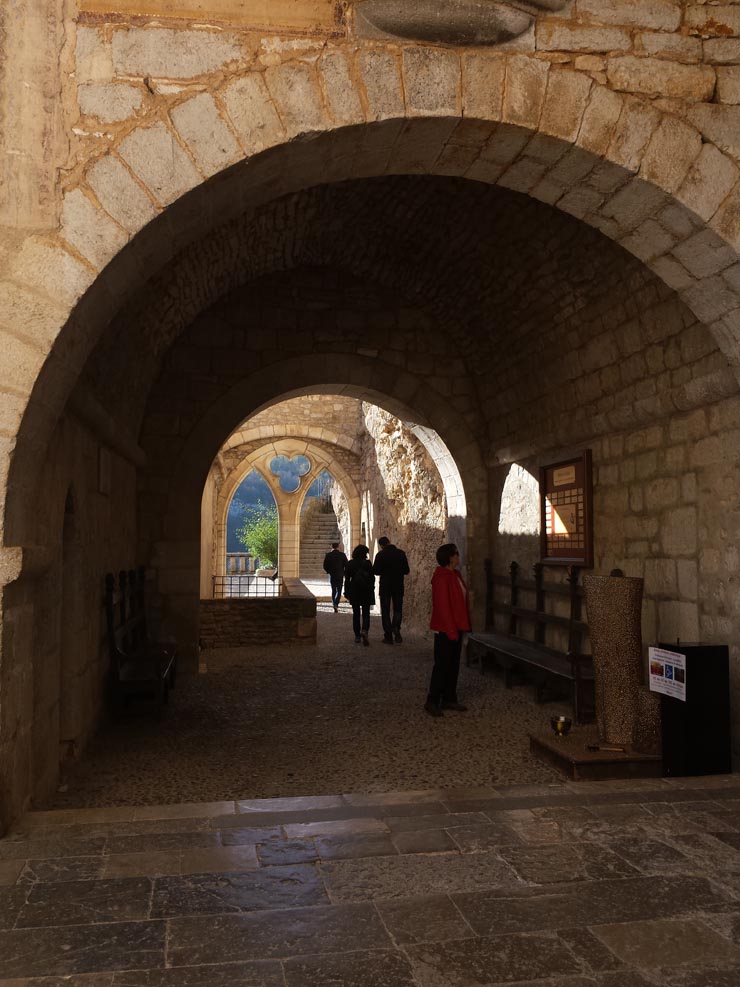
x,y
359,588
392,566
450,620
335,563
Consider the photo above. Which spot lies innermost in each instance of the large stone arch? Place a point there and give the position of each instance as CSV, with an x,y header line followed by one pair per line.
x,y
642,176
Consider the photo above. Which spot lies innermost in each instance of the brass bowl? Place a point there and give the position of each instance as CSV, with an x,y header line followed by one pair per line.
x,y
561,725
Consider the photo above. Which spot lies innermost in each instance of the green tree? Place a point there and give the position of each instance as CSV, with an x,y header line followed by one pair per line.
x,y
259,532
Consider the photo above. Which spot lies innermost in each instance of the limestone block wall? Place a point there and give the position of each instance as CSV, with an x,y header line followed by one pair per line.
x,y
665,496
53,694
340,416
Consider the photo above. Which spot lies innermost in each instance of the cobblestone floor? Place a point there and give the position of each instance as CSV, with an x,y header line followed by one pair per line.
x,y
313,721
561,885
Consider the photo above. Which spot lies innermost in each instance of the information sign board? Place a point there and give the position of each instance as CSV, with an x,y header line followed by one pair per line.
x,y
667,673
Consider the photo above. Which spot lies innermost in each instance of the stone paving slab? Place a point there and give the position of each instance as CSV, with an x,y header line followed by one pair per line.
x,y
615,887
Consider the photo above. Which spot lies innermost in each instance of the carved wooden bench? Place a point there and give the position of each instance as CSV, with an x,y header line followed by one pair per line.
x,y
139,668
535,656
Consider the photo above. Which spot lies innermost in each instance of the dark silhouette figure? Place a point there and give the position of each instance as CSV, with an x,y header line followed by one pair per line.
x,y
334,563
359,588
392,566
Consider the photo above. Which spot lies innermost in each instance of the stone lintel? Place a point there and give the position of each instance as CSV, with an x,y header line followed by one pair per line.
x,y
304,16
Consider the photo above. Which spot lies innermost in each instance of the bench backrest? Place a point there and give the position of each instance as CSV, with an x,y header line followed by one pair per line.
x,y
125,611
536,619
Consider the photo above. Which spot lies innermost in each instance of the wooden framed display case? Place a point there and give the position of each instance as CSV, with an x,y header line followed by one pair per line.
x,y
566,512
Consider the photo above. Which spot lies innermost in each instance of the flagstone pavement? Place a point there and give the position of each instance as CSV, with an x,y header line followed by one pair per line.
x,y
457,862
601,884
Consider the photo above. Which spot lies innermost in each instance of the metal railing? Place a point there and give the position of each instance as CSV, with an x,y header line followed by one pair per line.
x,y
243,586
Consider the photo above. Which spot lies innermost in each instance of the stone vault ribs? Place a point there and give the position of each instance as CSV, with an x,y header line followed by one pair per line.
x,y
455,22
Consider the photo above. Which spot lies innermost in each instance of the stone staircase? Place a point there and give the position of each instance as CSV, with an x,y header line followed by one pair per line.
x,y
321,530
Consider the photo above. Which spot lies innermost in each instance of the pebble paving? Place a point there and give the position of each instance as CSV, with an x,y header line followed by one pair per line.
x,y
339,717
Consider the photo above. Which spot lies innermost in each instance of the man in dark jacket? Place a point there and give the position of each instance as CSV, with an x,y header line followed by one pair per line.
x,y
334,563
391,565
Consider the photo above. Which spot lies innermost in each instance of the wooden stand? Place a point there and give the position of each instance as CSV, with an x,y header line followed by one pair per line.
x,y
569,755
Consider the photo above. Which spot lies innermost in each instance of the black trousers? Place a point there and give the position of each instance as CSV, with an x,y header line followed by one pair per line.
x,y
336,589
443,686
361,610
391,598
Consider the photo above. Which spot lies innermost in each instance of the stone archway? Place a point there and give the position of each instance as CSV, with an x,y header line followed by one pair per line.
x,y
176,552
642,176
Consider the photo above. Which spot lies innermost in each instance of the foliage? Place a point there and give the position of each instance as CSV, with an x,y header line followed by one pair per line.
x,y
259,532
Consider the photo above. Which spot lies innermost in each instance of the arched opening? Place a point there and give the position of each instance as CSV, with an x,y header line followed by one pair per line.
x,y
519,517
349,451
252,528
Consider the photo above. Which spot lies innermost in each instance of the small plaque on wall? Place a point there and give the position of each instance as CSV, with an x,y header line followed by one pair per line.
x,y
566,512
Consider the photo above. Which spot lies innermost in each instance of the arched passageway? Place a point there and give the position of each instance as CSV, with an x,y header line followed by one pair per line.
x,y
515,333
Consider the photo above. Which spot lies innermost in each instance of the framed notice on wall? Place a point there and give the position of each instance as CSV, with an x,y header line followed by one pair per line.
x,y
566,512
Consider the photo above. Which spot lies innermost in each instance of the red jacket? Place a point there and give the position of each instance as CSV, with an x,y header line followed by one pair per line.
x,y
450,610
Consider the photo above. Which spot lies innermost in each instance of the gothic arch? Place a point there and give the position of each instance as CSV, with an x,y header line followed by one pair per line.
x,y
289,506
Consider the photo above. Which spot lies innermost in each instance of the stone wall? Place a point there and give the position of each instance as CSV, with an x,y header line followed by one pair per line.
x,y
260,623
665,494
55,617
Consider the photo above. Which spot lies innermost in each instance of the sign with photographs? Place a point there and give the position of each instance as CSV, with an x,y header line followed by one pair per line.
x,y
566,505
667,673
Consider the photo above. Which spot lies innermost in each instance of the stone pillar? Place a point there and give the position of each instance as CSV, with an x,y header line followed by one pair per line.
x,y
614,606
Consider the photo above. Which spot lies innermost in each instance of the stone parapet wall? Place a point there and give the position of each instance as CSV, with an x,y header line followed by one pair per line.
x,y
259,623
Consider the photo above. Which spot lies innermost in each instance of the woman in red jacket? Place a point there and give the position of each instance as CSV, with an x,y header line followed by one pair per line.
x,y
450,620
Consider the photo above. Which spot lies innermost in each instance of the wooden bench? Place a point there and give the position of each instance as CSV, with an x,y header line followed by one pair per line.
x,y
139,667
535,656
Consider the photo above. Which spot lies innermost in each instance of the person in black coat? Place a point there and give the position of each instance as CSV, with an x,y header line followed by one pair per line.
x,y
359,588
334,564
392,566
